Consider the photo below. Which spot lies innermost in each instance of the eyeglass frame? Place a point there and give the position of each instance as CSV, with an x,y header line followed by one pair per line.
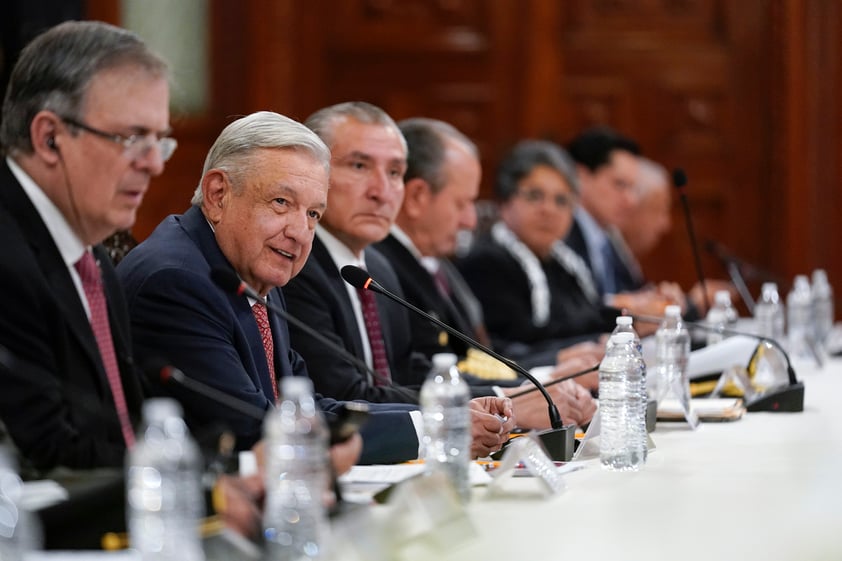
x,y
536,196
166,144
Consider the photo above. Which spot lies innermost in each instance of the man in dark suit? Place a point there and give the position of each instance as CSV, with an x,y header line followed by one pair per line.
x,y
608,168
85,125
368,162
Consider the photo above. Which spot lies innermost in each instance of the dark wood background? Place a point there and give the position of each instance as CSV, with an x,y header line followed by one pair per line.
x,y
742,94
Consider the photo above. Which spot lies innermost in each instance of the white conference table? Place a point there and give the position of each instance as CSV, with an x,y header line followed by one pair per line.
x,y
768,486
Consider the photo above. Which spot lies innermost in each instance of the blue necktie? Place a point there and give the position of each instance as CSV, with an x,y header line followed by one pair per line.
x,y
609,285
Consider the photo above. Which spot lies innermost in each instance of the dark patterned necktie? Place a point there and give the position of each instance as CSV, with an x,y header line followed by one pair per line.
x,y
92,285
375,337
262,318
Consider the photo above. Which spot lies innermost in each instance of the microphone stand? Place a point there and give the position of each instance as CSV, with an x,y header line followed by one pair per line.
x,y
679,179
558,440
785,399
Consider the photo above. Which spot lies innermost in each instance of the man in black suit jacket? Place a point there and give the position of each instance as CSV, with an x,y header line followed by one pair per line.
x,y
609,171
368,161
84,129
262,191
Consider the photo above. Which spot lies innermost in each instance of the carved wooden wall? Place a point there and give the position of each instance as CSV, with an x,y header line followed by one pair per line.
x,y
742,94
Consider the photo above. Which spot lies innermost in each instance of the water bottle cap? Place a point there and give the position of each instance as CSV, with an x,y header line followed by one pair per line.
x,y
801,282
820,276
672,311
443,361
161,408
722,298
293,387
769,286
622,338
624,320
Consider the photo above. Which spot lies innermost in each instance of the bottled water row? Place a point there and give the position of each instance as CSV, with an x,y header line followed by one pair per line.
x,y
808,309
808,314
164,486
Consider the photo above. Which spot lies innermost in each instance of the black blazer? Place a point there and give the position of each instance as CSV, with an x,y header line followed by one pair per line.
x,y
179,313
318,296
420,289
56,404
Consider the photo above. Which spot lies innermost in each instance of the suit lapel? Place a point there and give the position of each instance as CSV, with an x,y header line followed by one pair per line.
x,y
411,271
320,256
197,227
61,287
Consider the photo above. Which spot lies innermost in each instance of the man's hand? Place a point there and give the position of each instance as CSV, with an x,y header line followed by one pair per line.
x,y
574,403
239,502
697,295
344,455
492,418
577,358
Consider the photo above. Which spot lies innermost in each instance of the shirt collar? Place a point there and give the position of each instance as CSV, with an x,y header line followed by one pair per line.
x,y
595,236
68,243
428,262
338,251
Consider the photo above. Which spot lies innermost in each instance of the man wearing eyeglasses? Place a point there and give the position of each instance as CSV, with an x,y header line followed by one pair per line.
x,y
85,127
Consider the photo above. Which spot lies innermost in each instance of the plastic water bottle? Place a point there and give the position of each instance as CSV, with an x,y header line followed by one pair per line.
x,y
769,313
624,325
823,313
622,407
672,351
799,312
164,492
446,444
297,475
18,529
720,317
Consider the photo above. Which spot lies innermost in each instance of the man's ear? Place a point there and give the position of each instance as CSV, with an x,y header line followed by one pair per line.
x,y
42,133
216,190
417,195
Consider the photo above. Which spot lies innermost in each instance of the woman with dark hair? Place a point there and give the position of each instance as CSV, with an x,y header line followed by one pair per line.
x,y
537,295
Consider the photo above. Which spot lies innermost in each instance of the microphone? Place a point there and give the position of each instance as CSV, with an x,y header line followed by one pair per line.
x,y
789,398
158,370
555,381
228,281
556,439
679,179
733,266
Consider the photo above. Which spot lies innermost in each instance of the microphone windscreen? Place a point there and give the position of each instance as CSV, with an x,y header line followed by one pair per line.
x,y
355,276
226,279
679,178
157,369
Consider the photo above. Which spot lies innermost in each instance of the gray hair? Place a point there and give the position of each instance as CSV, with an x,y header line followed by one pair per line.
x,y
324,120
239,140
55,70
651,175
526,156
426,140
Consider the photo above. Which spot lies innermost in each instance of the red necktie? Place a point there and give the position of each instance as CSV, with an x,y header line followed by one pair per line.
x,y
441,282
262,318
375,337
92,285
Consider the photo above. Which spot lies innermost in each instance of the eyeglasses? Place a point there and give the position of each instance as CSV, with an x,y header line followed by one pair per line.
x,y
536,196
134,146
